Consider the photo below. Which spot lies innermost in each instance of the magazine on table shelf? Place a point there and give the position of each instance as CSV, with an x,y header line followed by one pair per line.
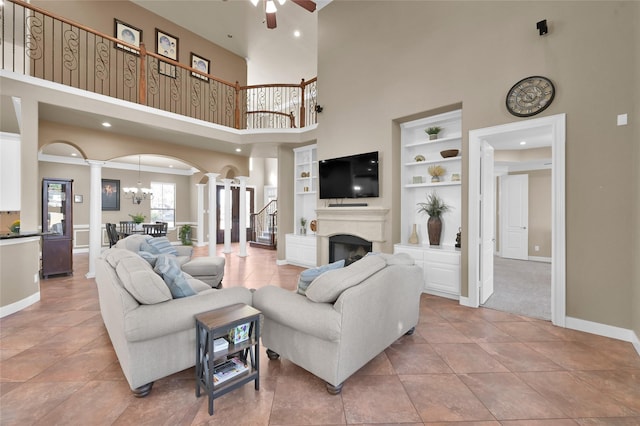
x,y
229,369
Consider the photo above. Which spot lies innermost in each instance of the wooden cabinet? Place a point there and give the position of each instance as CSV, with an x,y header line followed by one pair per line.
x,y
57,227
301,250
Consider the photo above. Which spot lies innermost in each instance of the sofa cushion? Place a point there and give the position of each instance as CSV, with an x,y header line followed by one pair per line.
x,y
141,282
328,286
307,276
163,245
148,248
395,259
171,273
132,242
114,256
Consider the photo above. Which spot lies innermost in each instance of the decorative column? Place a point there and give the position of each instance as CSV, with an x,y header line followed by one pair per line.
x,y
228,218
95,214
200,215
242,252
212,212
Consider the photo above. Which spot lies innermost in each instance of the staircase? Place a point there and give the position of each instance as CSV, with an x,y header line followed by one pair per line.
x,y
264,227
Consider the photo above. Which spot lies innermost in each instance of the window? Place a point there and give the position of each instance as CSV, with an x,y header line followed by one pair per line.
x,y
163,203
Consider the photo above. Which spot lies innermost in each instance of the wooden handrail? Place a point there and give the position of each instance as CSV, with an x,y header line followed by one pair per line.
x,y
290,115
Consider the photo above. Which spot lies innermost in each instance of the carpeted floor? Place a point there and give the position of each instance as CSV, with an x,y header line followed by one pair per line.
x,y
521,287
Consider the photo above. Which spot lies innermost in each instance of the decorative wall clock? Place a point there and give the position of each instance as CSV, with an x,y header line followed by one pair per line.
x,y
530,96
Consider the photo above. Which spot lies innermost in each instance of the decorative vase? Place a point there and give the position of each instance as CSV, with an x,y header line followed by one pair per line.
x,y
434,229
432,136
413,238
138,226
435,178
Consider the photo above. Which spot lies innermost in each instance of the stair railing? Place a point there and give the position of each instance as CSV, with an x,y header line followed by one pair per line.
x,y
264,222
41,44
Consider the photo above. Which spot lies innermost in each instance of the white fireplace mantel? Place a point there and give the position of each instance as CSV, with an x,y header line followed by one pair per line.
x,y
364,222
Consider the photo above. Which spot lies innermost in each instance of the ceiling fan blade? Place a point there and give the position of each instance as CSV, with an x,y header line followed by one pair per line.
x,y
271,20
307,4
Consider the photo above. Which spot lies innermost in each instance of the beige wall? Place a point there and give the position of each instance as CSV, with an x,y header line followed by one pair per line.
x,y
635,121
409,57
100,15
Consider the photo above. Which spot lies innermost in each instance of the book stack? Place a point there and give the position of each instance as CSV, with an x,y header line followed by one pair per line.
x,y
229,369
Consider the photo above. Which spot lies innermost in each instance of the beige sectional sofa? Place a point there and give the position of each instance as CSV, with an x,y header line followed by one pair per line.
x,y
347,317
152,333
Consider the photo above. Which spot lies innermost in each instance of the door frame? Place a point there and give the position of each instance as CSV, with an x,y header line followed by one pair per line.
x,y
557,124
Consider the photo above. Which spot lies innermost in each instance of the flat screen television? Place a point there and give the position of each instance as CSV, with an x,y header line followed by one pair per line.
x,y
354,176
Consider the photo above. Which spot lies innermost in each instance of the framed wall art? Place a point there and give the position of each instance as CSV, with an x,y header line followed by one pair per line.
x,y
110,194
127,33
201,64
166,45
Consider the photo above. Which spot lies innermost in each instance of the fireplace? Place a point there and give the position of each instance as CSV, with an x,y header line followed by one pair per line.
x,y
347,247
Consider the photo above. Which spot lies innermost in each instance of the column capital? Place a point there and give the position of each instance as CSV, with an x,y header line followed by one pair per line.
x,y
212,176
95,162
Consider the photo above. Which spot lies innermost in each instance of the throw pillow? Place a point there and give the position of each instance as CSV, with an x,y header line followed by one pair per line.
x,y
141,282
149,257
306,277
163,245
169,270
328,286
145,246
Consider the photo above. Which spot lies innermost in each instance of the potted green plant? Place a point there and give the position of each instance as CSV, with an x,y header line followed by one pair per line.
x,y
433,132
185,235
15,227
303,226
138,218
434,207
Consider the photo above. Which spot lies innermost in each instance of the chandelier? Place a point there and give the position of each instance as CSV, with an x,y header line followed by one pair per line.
x,y
133,191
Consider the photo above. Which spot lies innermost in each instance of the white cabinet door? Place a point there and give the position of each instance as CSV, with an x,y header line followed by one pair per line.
x,y
442,272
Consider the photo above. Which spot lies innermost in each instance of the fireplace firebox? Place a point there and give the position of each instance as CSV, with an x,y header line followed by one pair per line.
x,y
347,247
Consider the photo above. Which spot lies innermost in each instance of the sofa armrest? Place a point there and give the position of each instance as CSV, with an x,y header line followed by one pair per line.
x,y
184,250
152,321
298,312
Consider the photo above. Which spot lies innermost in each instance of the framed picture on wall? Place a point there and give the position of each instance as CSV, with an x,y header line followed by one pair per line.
x,y
201,64
166,45
127,33
110,194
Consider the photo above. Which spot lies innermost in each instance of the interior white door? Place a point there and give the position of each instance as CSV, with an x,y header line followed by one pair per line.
x,y
487,219
514,241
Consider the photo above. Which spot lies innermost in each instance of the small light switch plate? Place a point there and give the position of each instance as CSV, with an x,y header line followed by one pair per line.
x,y
622,119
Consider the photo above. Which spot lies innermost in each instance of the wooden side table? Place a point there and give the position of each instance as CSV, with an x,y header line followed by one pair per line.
x,y
216,324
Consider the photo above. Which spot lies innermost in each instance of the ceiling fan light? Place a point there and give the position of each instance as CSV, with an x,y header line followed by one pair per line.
x,y
255,2
271,7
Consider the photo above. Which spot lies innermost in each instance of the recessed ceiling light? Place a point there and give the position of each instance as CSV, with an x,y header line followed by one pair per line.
x,y
238,150
296,33
523,143
171,166
106,124
73,154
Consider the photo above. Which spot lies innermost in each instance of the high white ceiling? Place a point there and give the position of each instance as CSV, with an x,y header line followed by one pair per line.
x,y
273,55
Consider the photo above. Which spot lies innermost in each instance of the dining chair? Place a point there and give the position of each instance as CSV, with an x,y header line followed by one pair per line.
x,y
127,227
112,234
153,229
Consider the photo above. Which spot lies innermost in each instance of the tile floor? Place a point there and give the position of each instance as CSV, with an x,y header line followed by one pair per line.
x,y
462,366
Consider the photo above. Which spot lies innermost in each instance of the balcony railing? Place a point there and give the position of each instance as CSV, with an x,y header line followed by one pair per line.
x,y
40,44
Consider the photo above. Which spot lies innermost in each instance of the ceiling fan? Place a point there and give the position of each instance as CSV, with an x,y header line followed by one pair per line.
x,y
270,9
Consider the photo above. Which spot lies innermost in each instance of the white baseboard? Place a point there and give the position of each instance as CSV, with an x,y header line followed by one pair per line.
x,y
603,330
540,259
280,262
19,305
636,342
465,301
